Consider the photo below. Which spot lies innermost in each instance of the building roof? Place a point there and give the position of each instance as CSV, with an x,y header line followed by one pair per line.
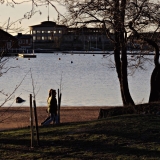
x,y
6,36
48,24
23,36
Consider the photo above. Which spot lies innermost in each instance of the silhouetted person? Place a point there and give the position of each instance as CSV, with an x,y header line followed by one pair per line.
x,y
52,108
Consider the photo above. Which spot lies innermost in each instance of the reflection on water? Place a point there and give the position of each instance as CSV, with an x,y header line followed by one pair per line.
x,y
84,80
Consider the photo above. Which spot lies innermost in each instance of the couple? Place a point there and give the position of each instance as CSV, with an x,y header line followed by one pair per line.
x,y
52,108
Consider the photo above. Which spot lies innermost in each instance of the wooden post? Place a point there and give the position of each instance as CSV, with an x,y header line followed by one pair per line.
x,y
58,109
36,121
59,105
31,121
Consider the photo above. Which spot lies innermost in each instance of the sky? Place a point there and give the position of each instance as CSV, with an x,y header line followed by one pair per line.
x,y
13,14
19,10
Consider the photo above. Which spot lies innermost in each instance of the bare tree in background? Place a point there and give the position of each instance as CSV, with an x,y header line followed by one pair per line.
x,y
120,19
9,27
151,16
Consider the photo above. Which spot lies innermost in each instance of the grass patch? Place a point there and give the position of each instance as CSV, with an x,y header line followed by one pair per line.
x,y
118,138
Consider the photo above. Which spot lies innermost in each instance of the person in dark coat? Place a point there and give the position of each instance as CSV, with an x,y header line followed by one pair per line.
x,y
52,108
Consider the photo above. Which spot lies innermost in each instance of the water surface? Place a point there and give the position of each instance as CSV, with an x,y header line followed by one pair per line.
x,y
84,80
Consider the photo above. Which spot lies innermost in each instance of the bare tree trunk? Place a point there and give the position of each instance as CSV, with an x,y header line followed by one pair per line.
x,y
124,79
121,68
120,53
118,67
155,77
155,85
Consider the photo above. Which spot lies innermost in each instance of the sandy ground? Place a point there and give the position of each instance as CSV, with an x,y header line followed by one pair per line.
x,y
18,117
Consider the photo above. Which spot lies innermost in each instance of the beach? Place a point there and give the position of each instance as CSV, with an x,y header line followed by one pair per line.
x,y
19,117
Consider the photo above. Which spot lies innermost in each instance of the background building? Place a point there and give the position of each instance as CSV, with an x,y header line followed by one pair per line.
x,y
8,43
85,39
49,35
25,42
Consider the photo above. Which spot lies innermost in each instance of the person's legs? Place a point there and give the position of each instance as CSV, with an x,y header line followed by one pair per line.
x,y
45,120
50,119
56,119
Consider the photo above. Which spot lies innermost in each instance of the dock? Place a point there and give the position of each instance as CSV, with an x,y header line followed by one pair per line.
x,y
27,55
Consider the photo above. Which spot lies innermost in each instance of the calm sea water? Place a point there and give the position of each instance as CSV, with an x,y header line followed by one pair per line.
x,y
84,80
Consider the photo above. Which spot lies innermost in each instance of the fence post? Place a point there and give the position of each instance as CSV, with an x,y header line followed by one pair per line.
x,y
31,120
59,105
36,121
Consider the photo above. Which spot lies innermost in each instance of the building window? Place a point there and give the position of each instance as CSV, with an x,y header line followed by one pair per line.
x,y
26,41
49,31
54,31
44,31
38,31
50,38
34,38
44,38
38,38
34,31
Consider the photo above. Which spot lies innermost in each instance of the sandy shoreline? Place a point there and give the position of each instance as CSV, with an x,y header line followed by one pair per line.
x,y
18,117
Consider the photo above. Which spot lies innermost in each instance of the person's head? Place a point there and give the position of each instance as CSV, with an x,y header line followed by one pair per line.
x,y
52,92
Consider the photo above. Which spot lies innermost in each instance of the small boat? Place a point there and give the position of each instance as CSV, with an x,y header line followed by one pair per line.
x,y
23,55
28,55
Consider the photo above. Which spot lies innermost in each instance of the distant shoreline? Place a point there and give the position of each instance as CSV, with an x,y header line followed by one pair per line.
x,y
51,51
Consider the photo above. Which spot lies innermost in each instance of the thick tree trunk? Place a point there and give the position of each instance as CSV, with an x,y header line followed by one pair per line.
x,y
123,80
155,77
118,69
155,85
120,52
121,68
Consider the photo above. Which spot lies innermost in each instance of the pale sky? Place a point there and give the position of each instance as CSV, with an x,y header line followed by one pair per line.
x,y
19,10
